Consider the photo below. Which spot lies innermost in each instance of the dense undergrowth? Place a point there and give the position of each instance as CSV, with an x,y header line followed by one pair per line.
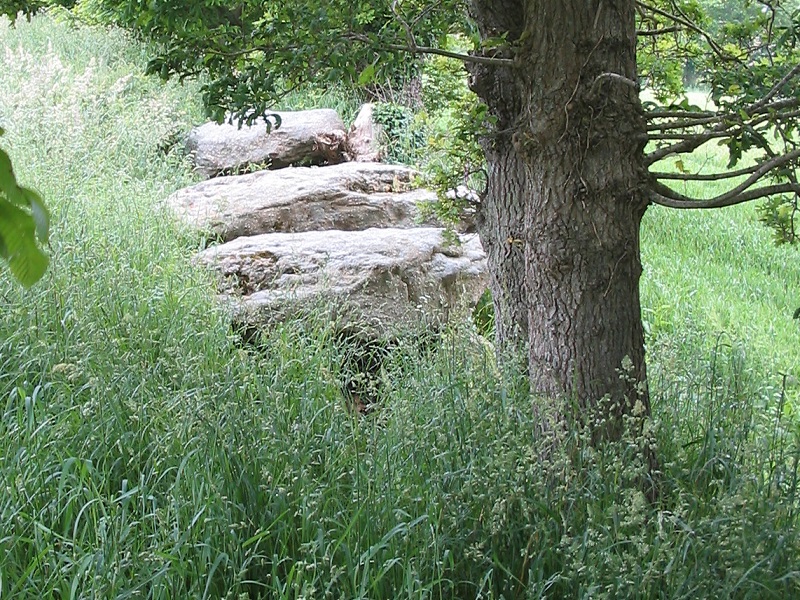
x,y
146,452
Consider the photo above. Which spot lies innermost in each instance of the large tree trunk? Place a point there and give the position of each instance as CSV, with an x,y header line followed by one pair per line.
x,y
560,221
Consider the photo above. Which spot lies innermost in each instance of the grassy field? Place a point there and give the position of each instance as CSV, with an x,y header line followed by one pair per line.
x,y
145,452
719,274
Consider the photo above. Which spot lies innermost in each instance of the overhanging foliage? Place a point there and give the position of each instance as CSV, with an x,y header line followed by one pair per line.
x,y
254,52
23,219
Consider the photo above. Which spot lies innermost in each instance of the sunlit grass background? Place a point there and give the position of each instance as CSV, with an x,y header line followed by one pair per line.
x,y
145,451
718,275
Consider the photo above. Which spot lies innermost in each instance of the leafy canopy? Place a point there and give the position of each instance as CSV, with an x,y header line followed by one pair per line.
x,y
252,52
746,52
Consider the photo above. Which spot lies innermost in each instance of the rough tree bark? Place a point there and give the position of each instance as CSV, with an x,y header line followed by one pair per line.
x,y
566,195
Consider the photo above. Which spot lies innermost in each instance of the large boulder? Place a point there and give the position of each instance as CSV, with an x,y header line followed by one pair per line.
x,y
349,196
308,136
381,281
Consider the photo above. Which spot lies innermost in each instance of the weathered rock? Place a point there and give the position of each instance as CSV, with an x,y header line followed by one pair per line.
x,y
380,280
309,136
349,196
363,138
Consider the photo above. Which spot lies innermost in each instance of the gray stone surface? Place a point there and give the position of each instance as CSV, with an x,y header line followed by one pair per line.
x,y
315,136
363,138
349,196
379,280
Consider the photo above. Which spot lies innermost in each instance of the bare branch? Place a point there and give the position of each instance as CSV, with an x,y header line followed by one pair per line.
x,y
765,168
654,32
690,142
689,145
759,172
743,192
613,77
685,123
691,119
716,133
756,172
661,194
467,58
248,51
704,177
412,42
423,13
679,114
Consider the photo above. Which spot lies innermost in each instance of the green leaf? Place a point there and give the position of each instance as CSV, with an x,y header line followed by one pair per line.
x,y
8,183
367,75
18,243
268,121
19,228
39,213
23,197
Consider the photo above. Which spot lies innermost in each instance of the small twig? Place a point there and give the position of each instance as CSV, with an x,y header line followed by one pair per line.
x,y
613,271
423,13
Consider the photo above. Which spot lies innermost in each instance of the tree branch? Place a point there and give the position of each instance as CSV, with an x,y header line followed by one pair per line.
x,y
775,89
665,196
685,123
248,51
690,142
702,177
709,135
689,25
412,41
467,58
735,195
411,48
679,114
756,172
654,32
770,111
613,77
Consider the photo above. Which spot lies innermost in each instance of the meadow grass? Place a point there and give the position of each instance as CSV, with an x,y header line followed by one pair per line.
x,y
716,277
146,452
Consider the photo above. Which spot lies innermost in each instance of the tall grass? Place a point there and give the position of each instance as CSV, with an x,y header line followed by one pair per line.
x,y
717,275
146,452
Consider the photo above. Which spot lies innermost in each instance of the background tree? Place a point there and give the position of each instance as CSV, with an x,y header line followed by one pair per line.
x,y
573,156
28,8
